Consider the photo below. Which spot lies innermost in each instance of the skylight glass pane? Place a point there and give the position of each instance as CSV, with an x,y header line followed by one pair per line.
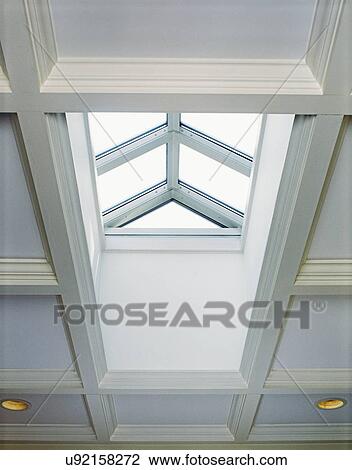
x,y
209,176
171,215
132,177
110,129
236,130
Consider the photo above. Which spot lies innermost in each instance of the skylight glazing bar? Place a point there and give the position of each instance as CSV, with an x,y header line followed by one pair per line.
x,y
173,149
132,149
211,148
137,206
207,206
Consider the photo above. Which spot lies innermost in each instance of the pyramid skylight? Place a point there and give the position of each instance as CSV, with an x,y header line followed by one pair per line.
x,y
173,170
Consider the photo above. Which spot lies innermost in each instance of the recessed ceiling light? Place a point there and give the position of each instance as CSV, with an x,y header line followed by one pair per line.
x,y
331,403
15,405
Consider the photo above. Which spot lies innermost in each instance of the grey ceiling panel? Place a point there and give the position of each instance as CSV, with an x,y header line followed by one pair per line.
x,y
328,341
173,409
301,409
222,29
28,336
333,234
19,234
55,409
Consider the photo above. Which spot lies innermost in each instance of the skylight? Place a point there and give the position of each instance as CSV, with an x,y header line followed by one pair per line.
x,y
173,171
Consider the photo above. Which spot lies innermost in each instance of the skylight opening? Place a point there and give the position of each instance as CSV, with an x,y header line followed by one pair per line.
x,y
192,172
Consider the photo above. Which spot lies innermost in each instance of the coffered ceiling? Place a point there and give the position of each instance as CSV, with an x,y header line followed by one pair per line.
x,y
97,384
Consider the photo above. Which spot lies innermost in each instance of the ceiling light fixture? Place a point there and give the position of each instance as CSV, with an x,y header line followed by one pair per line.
x,y
331,403
15,405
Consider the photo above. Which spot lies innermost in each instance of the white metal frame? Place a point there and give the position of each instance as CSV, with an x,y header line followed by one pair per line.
x,y
173,133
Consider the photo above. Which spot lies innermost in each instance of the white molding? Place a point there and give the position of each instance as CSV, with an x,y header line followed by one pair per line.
x,y
41,35
299,432
39,379
4,82
310,379
325,272
308,156
175,380
173,244
327,16
45,432
137,75
26,272
67,184
175,433
295,202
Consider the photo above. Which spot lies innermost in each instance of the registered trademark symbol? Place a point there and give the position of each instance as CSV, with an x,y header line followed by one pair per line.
x,y
318,306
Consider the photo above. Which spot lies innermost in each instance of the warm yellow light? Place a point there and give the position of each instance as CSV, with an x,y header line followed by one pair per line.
x,y
15,405
331,404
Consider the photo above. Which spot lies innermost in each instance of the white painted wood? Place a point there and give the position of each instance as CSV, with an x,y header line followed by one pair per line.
x,y
92,75
325,272
41,35
206,433
335,205
172,380
310,379
26,272
322,39
4,83
170,244
46,141
306,164
39,379
297,432
85,172
172,102
43,432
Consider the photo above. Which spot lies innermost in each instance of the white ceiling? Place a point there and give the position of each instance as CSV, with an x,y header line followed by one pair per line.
x,y
326,344
19,234
298,409
53,409
179,28
29,339
172,409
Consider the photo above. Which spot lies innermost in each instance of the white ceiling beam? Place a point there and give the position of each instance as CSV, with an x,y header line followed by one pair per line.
x,y
48,149
329,57
309,154
128,152
167,102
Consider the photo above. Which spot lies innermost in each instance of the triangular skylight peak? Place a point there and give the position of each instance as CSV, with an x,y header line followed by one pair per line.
x,y
172,215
